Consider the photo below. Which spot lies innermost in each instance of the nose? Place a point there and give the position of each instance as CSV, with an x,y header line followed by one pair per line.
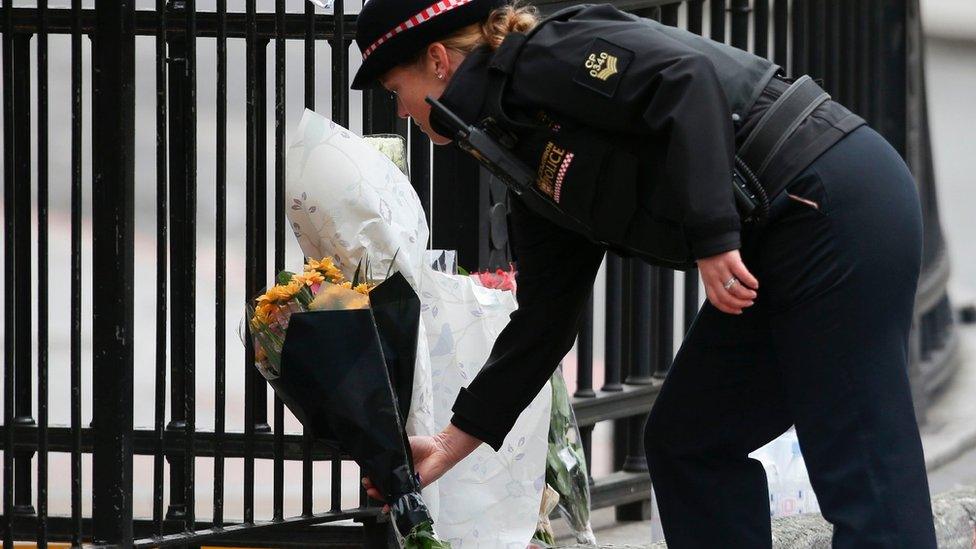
x,y
401,110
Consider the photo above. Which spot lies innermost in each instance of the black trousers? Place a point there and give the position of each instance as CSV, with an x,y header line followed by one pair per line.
x,y
824,348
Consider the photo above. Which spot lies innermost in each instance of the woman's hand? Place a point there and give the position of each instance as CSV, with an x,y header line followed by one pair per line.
x,y
434,456
716,273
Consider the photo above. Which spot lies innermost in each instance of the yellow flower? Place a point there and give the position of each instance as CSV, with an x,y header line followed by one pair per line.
x,y
347,285
264,312
326,268
278,293
325,263
362,288
310,278
293,287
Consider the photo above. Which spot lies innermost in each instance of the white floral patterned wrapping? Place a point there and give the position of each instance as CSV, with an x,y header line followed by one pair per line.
x,y
345,198
491,499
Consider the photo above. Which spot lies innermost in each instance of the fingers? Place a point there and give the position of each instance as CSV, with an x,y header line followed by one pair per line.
x,y
371,490
717,271
725,301
739,290
740,271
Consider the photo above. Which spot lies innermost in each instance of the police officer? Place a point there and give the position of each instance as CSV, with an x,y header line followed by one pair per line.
x,y
633,130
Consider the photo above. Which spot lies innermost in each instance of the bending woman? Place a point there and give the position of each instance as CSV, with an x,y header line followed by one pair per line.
x,y
635,129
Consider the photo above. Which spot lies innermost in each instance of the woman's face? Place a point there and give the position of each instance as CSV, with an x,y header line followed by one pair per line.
x,y
412,83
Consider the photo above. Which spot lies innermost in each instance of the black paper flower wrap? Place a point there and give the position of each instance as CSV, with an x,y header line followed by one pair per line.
x,y
347,376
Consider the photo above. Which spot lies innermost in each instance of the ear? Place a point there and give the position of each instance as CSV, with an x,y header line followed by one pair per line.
x,y
438,60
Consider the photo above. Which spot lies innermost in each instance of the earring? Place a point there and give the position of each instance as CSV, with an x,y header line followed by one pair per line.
x,y
440,76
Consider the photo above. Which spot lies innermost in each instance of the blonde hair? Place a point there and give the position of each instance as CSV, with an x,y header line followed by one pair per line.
x,y
492,31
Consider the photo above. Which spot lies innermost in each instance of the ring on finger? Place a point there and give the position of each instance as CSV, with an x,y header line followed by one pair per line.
x,y
731,282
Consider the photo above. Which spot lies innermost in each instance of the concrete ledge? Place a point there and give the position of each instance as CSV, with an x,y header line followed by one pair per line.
x,y
955,525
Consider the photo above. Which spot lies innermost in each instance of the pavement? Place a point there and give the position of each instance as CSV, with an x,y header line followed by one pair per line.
x,y
949,443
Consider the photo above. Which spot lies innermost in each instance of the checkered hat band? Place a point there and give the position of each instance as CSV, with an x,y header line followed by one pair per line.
x,y
425,15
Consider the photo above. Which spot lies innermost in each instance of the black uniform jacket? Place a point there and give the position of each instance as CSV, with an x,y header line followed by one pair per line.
x,y
658,96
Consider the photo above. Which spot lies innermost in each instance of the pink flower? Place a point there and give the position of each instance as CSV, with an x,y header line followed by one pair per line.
x,y
498,280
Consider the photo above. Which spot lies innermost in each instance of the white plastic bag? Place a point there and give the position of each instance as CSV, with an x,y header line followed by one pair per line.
x,y
790,492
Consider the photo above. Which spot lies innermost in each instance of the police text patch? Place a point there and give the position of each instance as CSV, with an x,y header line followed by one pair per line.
x,y
603,66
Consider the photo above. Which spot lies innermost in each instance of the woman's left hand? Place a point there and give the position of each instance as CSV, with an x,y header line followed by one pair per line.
x,y
716,273
434,456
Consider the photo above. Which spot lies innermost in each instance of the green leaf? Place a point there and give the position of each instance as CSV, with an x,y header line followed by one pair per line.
x,y
422,537
462,271
357,274
392,261
284,277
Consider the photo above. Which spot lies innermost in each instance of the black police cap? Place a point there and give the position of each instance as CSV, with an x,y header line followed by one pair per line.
x,y
389,32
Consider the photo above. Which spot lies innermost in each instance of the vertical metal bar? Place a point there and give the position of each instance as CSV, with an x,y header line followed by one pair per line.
x,y
781,33
190,266
864,58
833,55
740,23
253,276
261,210
8,276
621,437
642,329
669,14
179,283
663,350
113,115
848,29
760,30
220,277
717,15
76,196
584,354
307,474
691,298
816,42
420,167
23,285
640,372
696,16
340,66
801,36
336,485
42,273
614,324
161,265
586,441
279,424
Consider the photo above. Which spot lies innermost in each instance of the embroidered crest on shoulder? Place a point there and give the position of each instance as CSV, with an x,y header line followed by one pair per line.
x,y
603,66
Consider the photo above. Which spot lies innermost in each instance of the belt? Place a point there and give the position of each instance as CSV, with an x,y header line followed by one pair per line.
x,y
778,123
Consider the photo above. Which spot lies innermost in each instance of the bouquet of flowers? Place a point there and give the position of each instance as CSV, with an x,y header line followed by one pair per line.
x,y
340,355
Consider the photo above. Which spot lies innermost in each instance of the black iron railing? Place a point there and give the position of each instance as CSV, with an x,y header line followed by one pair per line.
x,y
867,51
